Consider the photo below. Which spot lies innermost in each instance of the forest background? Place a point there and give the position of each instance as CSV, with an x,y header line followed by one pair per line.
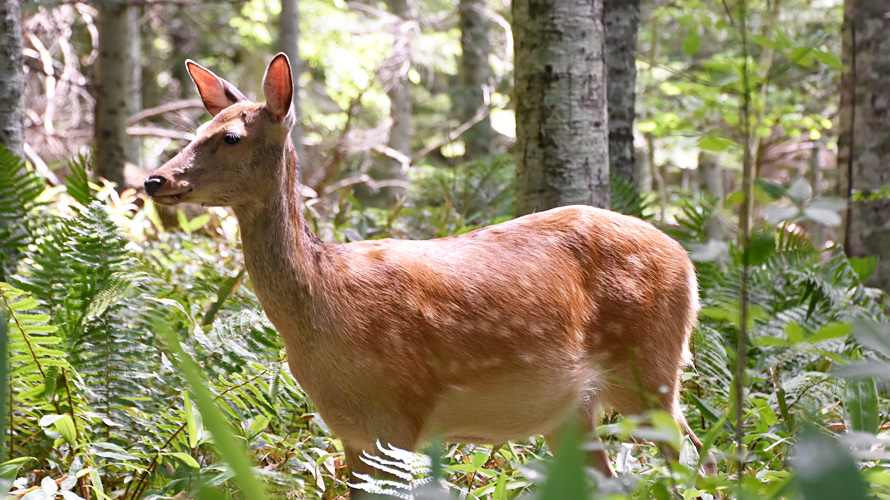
x,y
754,132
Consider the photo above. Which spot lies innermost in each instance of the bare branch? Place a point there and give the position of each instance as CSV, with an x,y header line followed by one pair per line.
x,y
480,115
169,107
160,132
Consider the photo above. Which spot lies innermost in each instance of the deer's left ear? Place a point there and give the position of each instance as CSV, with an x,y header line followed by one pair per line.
x,y
278,87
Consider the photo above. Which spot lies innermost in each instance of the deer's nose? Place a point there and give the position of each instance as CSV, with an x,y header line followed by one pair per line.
x,y
153,183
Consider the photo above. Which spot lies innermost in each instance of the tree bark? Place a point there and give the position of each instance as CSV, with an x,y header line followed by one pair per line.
x,y
622,23
12,78
711,181
111,93
183,41
398,88
475,73
561,119
864,142
289,43
134,81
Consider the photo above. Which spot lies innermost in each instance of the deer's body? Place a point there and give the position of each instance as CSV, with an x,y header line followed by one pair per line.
x,y
485,337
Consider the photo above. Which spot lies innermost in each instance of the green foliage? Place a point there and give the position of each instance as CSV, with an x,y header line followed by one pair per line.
x,y
141,366
19,190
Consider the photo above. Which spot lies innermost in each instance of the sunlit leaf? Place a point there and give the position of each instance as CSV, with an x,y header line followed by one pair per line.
x,y
715,144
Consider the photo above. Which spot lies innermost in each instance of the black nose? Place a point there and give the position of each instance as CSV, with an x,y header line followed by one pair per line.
x,y
153,183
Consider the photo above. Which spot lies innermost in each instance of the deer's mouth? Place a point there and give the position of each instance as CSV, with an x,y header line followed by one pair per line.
x,y
167,192
170,199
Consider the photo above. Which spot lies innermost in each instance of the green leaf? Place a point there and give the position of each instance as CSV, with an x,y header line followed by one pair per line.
x,y
49,389
770,188
190,226
221,295
861,405
4,387
760,247
715,144
566,479
500,490
665,424
800,191
9,471
191,429
231,449
479,459
802,56
823,216
825,469
764,41
184,458
692,44
873,334
828,59
691,493
864,267
64,425
794,332
830,332
775,214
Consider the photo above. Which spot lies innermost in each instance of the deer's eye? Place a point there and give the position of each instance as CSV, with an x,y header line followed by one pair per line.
x,y
231,138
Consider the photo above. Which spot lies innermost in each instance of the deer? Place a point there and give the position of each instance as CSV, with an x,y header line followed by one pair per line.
x,y
490,336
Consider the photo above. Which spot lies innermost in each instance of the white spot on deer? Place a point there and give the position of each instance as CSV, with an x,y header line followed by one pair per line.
x,y
428,312
528,358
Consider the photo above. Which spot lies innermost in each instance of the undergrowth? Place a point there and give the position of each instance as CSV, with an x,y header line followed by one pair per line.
x,y
141,365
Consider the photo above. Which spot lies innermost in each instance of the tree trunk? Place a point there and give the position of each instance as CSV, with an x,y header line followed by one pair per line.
x,y
12,78
711,181
864,142
399,92
475,73
289,43
817,233
183,42
562,146
622,22
111,93
134,80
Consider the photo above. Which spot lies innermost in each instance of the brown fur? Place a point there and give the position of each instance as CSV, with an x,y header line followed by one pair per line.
x,y
485,337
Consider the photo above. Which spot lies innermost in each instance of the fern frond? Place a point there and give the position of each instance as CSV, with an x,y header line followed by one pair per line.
x,y
626,198
19,189
78,185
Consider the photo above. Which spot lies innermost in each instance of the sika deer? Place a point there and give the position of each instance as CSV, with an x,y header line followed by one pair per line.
x,y
486,337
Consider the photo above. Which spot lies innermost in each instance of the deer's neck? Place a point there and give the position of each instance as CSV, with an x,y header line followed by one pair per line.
x,y
281,254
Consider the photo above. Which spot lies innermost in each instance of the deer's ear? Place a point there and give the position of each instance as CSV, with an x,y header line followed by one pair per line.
x,y
278,87
216,93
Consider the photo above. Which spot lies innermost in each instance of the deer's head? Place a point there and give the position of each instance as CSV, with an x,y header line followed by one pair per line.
x,y
236,158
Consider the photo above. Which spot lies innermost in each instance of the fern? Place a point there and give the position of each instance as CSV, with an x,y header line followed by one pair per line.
x,y
19,189
39,370
84,277
626,198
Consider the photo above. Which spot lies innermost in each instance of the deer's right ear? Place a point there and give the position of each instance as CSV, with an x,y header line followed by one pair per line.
x,y
216,93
